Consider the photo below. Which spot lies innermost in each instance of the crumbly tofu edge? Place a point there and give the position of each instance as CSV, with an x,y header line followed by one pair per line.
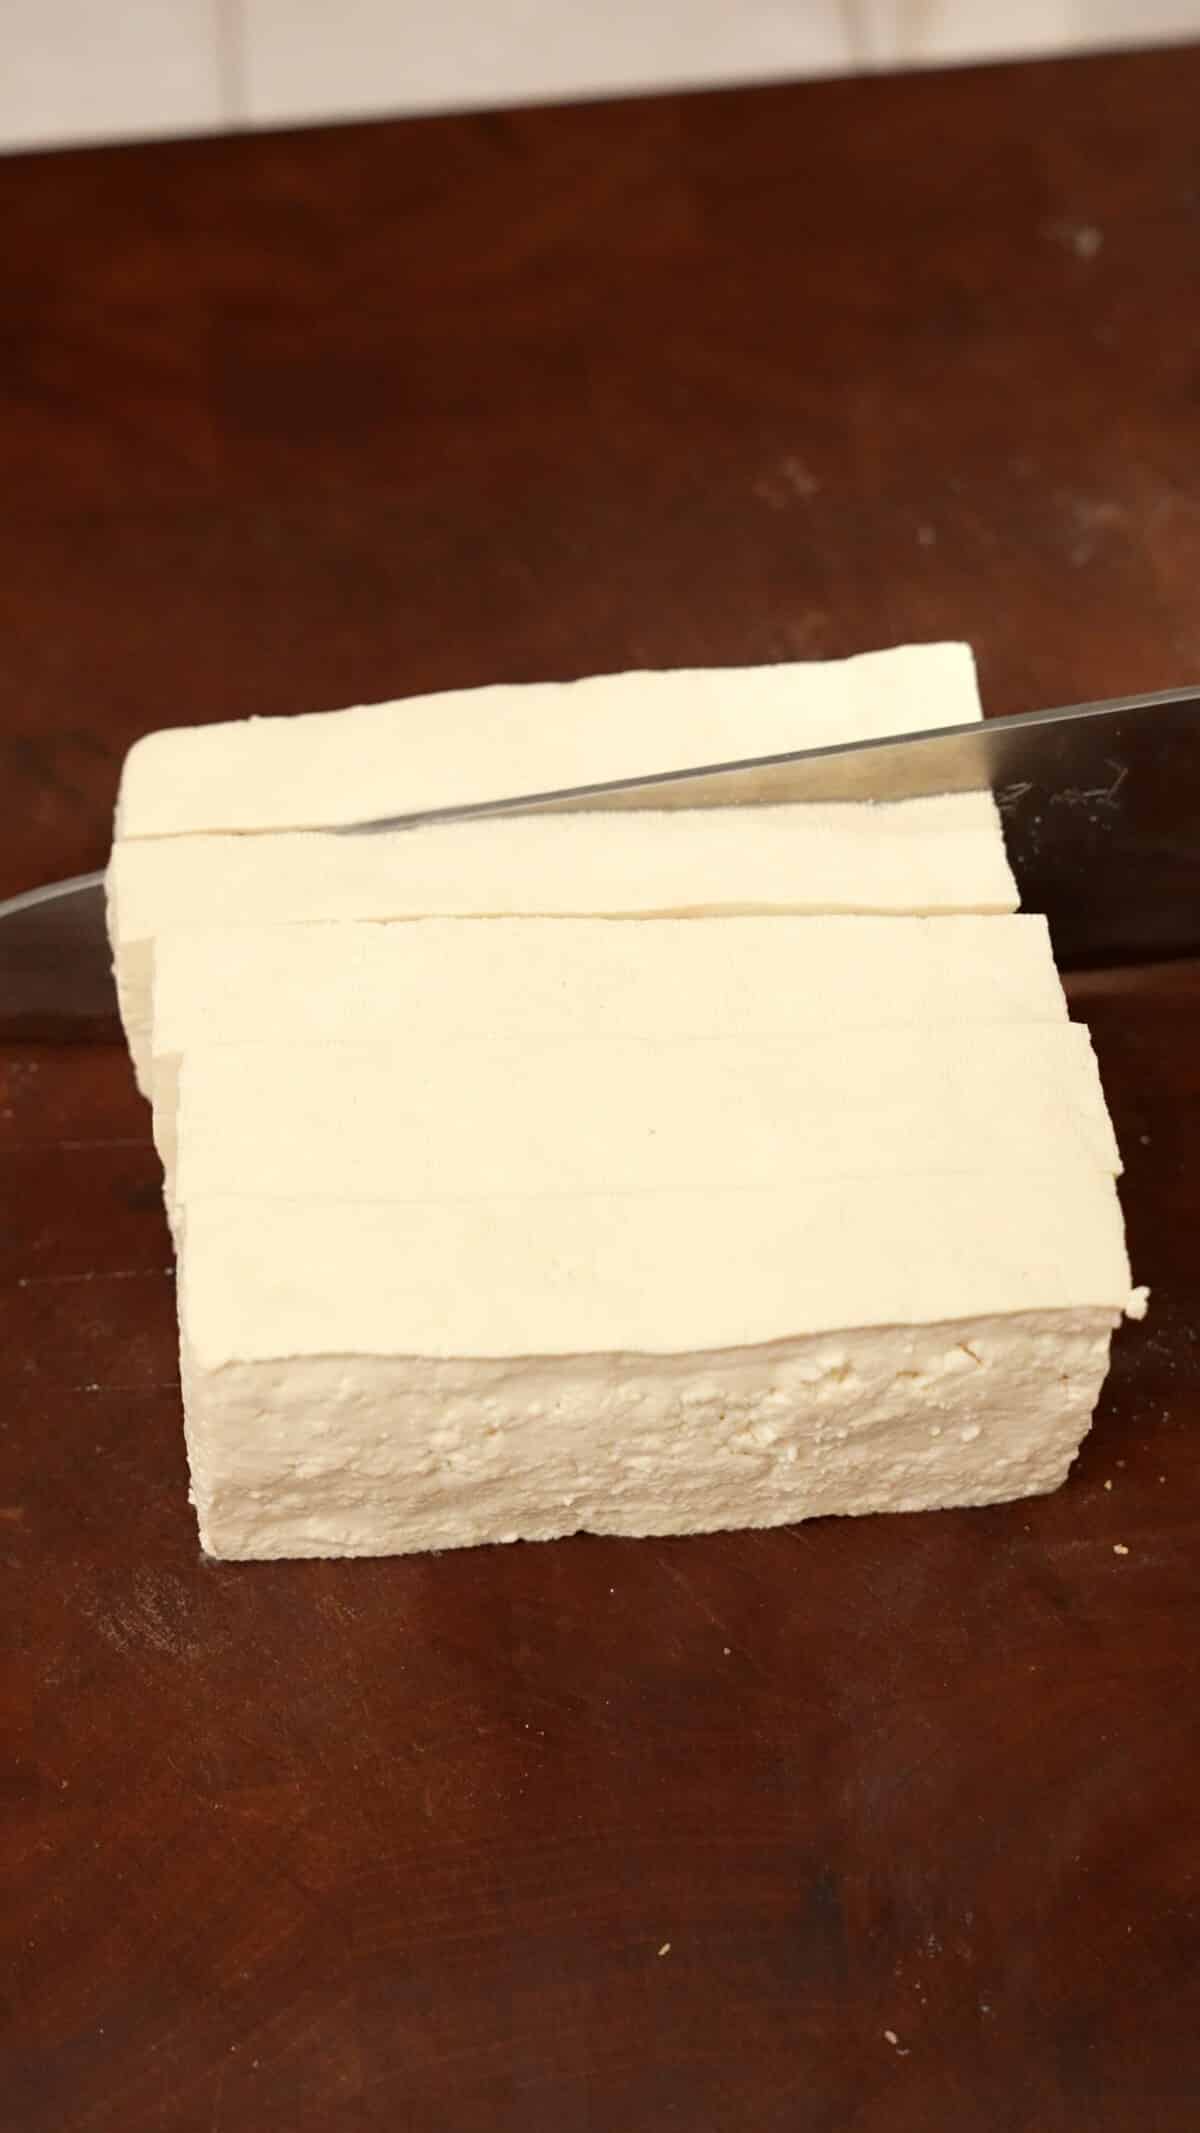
x,y
329,1457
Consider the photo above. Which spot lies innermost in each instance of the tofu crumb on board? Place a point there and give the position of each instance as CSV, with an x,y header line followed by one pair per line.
x,y
638,1173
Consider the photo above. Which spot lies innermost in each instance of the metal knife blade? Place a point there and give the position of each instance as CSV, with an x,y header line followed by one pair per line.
x,y
1100,804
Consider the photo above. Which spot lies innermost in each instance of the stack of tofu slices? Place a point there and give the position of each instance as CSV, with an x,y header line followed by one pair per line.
x,y
636,1172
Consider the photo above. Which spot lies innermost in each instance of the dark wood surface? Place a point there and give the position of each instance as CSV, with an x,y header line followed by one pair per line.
x,y
860,1826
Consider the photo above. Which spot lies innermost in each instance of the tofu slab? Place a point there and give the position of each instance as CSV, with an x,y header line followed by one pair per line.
x,y
444,750
498,1218
548,1117
666,978
923,856
376,1377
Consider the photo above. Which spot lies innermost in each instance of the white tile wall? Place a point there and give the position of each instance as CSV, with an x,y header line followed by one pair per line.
x,y
82,70
304,57
927,30
932,32
75,70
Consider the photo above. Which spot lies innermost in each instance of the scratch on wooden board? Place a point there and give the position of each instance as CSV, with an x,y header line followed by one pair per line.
x,y
128,1140
123,1273
156,1385
50,1146
152,1615
702,1606
786,482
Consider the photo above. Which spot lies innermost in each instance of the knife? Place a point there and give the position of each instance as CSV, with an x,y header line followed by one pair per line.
x,y
1100,805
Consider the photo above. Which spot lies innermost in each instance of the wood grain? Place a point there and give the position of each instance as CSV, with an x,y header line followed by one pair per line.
x,y
865,1825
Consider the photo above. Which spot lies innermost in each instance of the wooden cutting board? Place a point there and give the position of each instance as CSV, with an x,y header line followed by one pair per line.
x,y
865,1825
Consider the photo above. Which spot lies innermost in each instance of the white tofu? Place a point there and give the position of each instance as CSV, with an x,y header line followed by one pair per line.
x,y
375,1377
434,1119
459,1292
544,978
326,768
497,1230
923,856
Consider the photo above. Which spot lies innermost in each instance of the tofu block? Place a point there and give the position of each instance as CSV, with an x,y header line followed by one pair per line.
x,y
547,1117
667,978
326,768
921,856
499,1218
370,1377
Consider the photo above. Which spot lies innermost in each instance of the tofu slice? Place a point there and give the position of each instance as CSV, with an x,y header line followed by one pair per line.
x,y
923,856
380,1376
544,1117
545,978
326,768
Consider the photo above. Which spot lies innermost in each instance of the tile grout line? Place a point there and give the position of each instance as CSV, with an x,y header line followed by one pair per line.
x,y
229,32
855,32
875,33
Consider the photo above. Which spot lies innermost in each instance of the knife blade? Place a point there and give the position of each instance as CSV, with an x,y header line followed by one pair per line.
x,y
1100,804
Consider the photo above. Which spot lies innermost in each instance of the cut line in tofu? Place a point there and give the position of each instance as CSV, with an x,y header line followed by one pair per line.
x,y
921,856
462,745
378,1377
547,1117
666,978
